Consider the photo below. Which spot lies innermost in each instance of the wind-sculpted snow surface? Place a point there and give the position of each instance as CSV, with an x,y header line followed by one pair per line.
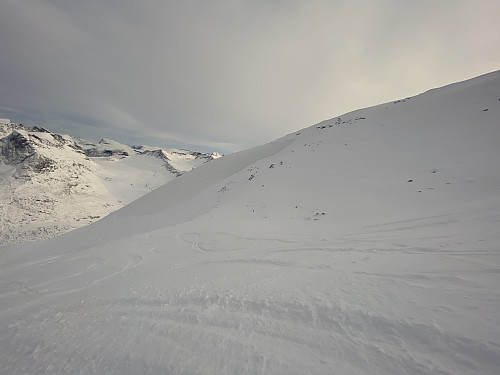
x,y
366,244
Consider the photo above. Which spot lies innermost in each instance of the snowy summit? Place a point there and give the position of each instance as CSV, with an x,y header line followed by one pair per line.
x,y
366,244
52,183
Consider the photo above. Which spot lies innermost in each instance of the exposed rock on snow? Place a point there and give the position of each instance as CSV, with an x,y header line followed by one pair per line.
x,y
15,148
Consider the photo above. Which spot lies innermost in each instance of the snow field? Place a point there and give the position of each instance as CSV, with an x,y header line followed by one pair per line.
x,y
366,244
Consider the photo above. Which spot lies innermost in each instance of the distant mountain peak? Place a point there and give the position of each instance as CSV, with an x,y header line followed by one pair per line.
x,y
80,180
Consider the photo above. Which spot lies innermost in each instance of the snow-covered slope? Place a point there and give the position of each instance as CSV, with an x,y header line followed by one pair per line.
x,y
366,244
50,184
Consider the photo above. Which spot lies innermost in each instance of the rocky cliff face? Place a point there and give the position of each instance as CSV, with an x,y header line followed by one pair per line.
x,y
15,148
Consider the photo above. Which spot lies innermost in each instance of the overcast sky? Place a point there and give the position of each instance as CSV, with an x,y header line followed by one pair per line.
x,y
226,75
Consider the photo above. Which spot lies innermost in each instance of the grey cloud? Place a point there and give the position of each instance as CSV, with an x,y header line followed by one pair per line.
x,y
229,74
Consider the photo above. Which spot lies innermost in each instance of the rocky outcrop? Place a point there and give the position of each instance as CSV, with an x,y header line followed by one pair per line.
x,y
15,148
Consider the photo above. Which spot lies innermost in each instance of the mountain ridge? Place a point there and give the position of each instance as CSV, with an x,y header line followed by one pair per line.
x,y
52,183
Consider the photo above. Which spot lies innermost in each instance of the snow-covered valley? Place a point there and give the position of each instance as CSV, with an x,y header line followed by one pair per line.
x,y
51,183
366,244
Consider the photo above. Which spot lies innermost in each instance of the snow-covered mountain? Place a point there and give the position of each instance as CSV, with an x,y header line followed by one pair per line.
x,y
366,244
51,183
